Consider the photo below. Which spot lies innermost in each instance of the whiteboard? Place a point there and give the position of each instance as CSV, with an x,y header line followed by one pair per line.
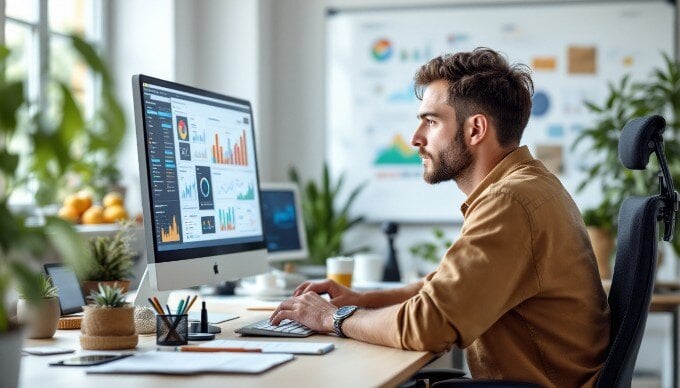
x,y
572,48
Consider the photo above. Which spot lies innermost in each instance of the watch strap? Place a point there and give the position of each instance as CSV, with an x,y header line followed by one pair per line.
x,y
339,319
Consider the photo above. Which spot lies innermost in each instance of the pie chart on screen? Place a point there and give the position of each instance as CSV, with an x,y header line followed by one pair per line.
x,y
204,186
182,129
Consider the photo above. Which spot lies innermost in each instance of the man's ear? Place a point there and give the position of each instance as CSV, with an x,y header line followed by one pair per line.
x,y
478,128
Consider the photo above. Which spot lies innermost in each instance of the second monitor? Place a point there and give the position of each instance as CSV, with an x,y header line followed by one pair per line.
x,y
283,222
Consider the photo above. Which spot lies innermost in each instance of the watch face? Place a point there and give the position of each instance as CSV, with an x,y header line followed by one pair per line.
x,y
345,310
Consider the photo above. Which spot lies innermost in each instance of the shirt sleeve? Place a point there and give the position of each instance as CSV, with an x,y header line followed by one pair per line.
x,y
489,270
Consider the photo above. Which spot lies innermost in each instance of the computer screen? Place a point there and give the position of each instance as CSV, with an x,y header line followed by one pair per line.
x,y
200,185
283,223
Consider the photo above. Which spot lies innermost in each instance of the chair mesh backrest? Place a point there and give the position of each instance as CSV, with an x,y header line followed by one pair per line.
x,y
632,287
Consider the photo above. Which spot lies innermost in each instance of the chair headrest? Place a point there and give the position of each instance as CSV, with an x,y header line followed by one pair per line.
x,y
635,143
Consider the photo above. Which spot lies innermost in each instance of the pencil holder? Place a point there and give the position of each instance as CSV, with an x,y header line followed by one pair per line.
x,y
172,330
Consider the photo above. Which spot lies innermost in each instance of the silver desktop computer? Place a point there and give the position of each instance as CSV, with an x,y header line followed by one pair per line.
x,y
200,187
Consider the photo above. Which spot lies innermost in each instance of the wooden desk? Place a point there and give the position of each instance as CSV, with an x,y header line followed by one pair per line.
x,y
351,364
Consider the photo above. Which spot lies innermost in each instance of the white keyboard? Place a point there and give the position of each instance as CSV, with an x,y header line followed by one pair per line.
x,y
286,328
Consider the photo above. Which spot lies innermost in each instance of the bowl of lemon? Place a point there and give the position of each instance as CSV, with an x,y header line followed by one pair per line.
x,y
80,208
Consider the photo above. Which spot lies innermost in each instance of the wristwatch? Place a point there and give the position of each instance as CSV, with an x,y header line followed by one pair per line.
x,y
339,316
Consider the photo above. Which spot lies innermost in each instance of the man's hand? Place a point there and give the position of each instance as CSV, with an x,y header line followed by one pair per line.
x,y
308,309
340,295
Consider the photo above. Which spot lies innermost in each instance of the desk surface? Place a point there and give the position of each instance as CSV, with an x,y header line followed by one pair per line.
x,y
665,302
351,364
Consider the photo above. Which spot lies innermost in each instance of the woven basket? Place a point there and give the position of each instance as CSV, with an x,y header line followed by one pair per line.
x,y
106,321
108,343
69,323
105,328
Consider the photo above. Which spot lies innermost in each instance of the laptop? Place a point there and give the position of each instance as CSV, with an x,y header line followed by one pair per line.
x,y
71,300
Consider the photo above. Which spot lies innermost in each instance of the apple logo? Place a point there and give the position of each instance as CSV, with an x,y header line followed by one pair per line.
x,y
215,269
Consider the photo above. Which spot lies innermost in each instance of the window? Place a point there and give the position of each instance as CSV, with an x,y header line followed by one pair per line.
x,y
36,31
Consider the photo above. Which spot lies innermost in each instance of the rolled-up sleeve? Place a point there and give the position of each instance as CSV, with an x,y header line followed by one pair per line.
x,y
489,270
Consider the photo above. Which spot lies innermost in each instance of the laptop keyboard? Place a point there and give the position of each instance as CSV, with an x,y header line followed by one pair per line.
x,y
287,328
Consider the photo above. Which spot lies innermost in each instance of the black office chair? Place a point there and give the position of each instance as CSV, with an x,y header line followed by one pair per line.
x,y
635,267
633,281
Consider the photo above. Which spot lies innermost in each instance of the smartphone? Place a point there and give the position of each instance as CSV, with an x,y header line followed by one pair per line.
x,y
90,359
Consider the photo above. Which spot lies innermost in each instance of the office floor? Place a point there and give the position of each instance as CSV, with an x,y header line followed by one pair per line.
x,y
646,382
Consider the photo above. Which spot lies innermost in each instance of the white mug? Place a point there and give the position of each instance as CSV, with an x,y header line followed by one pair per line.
x,y
266,281
368,267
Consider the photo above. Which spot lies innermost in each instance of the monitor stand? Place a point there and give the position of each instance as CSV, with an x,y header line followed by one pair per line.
x,y
145,292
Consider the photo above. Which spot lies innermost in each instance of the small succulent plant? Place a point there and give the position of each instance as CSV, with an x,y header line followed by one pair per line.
x,y
47,289
108,296
42,288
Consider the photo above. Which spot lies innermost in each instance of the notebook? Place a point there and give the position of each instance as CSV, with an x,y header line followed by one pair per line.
x,y
187,363
295,347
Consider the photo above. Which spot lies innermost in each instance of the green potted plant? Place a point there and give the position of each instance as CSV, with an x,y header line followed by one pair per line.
x,y
108,323
432,251
659,93
326,220
111,261
40,315
21,240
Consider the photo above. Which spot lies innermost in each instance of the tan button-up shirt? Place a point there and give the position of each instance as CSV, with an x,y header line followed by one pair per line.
x,y
520,288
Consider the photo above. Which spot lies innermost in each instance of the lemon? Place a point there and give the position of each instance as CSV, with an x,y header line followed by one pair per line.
x,y
114,213
85,197
113,198
69,213
79,201
93,215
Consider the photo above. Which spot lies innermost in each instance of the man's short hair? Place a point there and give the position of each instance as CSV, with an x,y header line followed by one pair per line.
x,y
482,81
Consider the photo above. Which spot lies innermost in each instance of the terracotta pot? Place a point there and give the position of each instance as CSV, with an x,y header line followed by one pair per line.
x,y
603,245
10,348
108,321
41,318
93,285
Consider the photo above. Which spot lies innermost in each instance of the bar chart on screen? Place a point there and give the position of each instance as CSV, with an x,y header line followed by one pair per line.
x,y
235,153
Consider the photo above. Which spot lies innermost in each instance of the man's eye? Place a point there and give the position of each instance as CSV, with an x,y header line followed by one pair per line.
x,y
430,122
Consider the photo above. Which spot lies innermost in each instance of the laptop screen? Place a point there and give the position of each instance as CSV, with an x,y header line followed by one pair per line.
x,y
71,298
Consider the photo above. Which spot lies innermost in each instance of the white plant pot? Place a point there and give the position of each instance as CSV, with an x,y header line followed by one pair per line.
x,y
10,348
41,319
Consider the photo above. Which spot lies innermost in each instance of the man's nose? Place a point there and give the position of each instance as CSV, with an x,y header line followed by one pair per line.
x,y
418,140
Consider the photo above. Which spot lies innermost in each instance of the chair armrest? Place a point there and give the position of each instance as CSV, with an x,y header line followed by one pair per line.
x,y
438,374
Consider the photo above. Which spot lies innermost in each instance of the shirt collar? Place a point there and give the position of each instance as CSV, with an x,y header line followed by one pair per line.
x,y
519,156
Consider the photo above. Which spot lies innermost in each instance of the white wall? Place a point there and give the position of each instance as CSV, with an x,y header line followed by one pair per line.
x,y
219,48
138,43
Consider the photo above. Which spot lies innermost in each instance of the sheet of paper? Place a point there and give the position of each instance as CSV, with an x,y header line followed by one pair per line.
x,y
181,363
295,347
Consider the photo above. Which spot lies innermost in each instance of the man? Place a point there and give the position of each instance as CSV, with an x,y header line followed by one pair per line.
x,y
520,288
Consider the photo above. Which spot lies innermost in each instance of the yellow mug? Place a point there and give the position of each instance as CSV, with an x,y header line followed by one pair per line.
x,y
340,270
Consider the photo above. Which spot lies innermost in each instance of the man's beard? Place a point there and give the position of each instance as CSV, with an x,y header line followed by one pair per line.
x,y
451,162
